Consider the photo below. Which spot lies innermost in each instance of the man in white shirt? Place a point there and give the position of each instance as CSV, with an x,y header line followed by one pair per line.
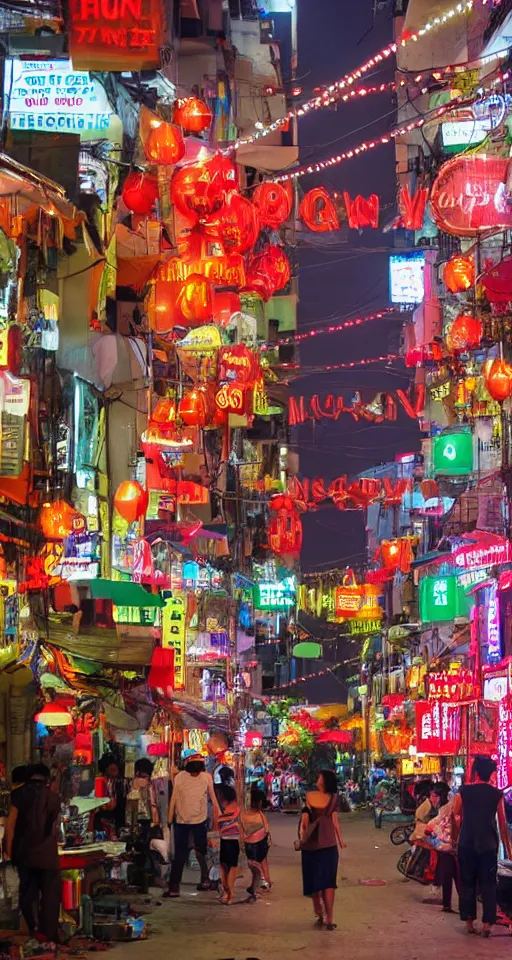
x,y
188,811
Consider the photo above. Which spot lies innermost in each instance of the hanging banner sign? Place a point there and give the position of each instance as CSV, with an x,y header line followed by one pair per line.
x,y
174,616
52,96
454,687
115,34
383,408
437,728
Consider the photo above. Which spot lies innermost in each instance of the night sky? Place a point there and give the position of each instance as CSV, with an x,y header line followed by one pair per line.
x,y
339,280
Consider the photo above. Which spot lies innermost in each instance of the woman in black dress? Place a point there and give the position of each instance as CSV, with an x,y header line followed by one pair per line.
x,y
320,837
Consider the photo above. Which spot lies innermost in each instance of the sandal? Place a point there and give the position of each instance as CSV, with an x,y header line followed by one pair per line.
x,y
331,926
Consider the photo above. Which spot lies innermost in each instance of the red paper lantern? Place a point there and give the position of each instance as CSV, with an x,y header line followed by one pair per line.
x,y
318,211
193,114
165,144
281,266
193,408
140,191
225,304
195,301
59,520
200,189
498,379
285,532
465,333
131,500
237,224
459,274
429,489
165,412
268,272
274,204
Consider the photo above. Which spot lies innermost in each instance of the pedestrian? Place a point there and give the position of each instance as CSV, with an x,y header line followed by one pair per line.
x,y
229,830
188,811
428,807
256,839
31,844
110,819
478,804
320,837
442,833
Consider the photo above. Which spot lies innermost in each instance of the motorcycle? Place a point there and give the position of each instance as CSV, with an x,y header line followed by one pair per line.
x,y
402,833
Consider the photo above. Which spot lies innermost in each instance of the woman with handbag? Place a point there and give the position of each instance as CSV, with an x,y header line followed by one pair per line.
x,y
320,837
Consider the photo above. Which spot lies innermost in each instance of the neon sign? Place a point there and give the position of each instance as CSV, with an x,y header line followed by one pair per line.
x,y
115,34
275,596
504,744
493,624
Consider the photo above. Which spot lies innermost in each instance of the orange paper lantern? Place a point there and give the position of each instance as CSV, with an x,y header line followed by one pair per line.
x,y
237,224
465,333
59,520
195,301
200,189
498,379
193,408
165,144
131,500
140,191
274,204
165,412
193,114
459,274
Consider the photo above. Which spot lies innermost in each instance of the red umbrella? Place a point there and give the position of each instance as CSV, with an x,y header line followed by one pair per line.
x,y
335,736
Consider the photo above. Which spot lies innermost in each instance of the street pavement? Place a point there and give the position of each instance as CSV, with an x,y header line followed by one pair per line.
x,y
381,922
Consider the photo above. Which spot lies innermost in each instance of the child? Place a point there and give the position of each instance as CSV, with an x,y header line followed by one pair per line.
x,y
229,830
256,837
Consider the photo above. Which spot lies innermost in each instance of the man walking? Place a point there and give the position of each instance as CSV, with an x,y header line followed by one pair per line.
x,y
188,811
31,843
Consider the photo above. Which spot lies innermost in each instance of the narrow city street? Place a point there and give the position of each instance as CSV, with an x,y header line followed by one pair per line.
x,y
385,922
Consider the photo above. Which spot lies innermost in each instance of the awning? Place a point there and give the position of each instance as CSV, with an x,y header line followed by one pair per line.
x,y
124,593
434,556
32,188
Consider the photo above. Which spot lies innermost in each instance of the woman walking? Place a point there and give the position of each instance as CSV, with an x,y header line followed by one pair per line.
x,y
256,837
320,837
229,829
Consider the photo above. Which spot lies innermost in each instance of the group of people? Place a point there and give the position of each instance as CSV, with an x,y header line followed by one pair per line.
x,y
465,831
192,791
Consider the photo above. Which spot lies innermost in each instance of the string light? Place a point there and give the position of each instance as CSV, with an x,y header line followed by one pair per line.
x,y
385,138
309,676
356,322
385,358
330,93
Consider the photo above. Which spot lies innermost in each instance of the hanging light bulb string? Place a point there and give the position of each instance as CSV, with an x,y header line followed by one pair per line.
x,y
326,97
309,371
441,111
336,328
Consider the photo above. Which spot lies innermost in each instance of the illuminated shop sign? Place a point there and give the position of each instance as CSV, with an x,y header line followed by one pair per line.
x,y
487,555
456,686
274,596
51,96
504,772
437,728
495,688
406,277
492,621
441,599
115,34
174,619
364,626
453,453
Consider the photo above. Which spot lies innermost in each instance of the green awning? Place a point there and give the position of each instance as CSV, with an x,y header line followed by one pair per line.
x,y
124,593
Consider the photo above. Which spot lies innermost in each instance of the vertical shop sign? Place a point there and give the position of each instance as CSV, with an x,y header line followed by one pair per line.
x,y
437,728
174,616
504,772
493,624
115,34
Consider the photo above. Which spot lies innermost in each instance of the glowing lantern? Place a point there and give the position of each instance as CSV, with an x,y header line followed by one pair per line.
x,y
429,489
193,114
130,500
274,204
225,304
465,333
459,274
195,301
193,408
280,266
140,192
165,144
268,272
397,554
285,527
59,520
54,715
237,224
200,189
165,412
498,379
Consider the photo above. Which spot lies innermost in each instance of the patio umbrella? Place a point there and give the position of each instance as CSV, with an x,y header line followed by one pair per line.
x,y
335,736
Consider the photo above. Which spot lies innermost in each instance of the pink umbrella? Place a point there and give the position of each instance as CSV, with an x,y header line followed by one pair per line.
x,y
335,736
